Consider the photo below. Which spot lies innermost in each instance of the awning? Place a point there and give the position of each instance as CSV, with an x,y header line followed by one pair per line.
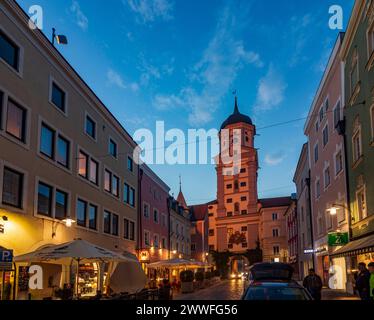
x,y
356,247
177,263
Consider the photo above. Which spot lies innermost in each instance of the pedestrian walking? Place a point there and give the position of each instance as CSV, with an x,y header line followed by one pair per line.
x,y
313,284
371,270
363,282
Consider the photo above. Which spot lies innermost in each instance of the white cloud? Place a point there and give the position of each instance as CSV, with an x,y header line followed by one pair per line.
x,y
167,102
80,18
150,71
211,78
274,159
114,78
270,91
150,10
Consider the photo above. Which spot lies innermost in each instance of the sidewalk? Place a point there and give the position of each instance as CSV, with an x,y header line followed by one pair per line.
x,y
331,294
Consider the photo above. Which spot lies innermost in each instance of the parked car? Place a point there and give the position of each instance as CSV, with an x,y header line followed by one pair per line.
x,y
273,281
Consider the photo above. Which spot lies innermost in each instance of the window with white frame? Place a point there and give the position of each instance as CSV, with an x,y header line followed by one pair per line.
x,y
9,51
146,210
155,216
337,113
147,238
361,203
325,134
156,240
316,154
318,189
327,177
356,141
275,233
12,188
354,71
338,162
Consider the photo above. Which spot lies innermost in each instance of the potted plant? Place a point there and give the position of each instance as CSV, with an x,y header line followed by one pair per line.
x,y
186,278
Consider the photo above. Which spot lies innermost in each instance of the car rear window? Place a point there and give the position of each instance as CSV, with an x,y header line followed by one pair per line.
x,y
275,293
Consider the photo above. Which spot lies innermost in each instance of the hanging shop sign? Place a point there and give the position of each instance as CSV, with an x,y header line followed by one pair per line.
x,y
337,239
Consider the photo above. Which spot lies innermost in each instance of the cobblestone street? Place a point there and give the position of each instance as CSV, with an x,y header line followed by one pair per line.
x,y
224,290
233,290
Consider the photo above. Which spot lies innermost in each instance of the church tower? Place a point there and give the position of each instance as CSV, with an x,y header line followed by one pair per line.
x,y
237,218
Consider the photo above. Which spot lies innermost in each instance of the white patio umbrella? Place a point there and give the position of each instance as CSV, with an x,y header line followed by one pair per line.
x,y
78,250
172,263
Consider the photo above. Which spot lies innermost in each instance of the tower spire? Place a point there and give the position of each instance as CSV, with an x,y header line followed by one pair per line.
x,y
180,183
236,108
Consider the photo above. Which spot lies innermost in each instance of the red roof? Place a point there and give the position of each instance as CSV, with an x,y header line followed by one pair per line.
x,y
199,212
275,202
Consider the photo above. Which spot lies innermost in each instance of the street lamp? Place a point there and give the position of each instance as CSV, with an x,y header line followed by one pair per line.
x,y
68,222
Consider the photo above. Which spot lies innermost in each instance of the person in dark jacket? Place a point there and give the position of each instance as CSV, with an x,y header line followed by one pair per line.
x,y
363,282
313,284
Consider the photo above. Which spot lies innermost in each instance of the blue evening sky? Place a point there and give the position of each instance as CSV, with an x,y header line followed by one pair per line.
x,y
179,61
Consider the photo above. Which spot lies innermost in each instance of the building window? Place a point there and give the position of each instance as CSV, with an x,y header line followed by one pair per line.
x,y
82,164
318,189
146,210
146,238
356,139
316,153
92,217
275,233
325,135
155,215
12,188
111,183
338,163
244,229
110,223
63,148
193,247
90,127
361,204
94,171
61,205
112,148
211,232
81,213
229,186
243,212
276,250
327,177
337,114
163,243
129,229
317,126
321,114
229,213
9,51
16,121
107,222
58,97
236,207
242,170
129,195
47,141
155,240
244,244
163,220
229,200
274,216
243,198
243,184
114,224
45,199
130,164
354,72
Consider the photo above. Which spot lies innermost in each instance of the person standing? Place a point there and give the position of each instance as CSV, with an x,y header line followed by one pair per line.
x,y
313,284
371,270
363,282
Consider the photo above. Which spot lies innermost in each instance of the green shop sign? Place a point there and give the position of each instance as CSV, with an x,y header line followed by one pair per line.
x,y
337,239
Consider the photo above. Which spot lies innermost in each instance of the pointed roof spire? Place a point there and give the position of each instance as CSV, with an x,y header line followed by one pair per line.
x,y
180,198
236,108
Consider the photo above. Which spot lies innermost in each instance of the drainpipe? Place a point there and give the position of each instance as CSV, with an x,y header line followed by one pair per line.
x,y
341,126
308,182
140,233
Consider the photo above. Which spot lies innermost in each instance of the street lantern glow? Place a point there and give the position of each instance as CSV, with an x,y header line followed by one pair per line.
x,y
333,211
68,222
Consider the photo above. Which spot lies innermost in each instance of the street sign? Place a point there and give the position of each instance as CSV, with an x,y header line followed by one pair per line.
x,y
337,239
6,259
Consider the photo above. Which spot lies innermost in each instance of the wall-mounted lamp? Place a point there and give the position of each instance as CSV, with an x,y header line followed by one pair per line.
x,y
68,222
